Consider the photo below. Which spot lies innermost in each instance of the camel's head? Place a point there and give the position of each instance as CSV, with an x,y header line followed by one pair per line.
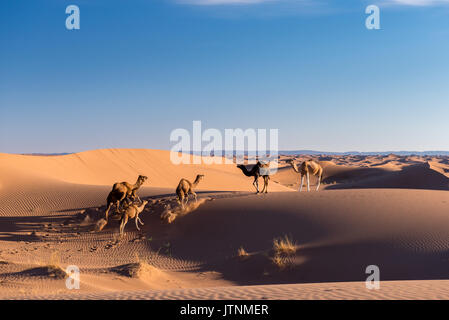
x,y
142,179
199,177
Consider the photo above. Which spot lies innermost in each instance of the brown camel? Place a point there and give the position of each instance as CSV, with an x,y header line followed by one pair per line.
x,y
258,170
308,167
121,191
185,188
132,212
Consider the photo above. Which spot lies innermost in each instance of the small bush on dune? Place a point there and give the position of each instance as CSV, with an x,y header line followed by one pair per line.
x,y
50,268
280,262
241,253
284,251
140,270
284,246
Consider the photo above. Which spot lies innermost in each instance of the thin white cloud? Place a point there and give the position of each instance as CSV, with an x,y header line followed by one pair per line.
x,y
422,3
417,3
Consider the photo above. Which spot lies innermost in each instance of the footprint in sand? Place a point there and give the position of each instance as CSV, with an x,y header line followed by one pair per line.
x,y
141,237
111,245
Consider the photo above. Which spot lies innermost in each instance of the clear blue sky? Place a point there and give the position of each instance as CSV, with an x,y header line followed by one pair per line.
x,y
138,69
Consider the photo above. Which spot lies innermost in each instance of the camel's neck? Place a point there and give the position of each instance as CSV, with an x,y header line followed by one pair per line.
x,y
246,172
137,184
295,167
196,182
141,207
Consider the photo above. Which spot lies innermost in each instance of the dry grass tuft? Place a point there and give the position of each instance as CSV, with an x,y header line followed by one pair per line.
x,y
242,254
136,270
284,246
280,262
284,252
51,268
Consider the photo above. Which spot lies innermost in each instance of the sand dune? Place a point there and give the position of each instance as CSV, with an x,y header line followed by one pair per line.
x,y
105,167
400,290
48,183
389,211
375,172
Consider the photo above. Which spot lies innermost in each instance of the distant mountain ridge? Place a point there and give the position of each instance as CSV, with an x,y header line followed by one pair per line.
x,y
47,154
358,153
305,152
330,153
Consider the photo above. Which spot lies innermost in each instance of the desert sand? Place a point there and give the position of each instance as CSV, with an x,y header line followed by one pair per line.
x,y
390,211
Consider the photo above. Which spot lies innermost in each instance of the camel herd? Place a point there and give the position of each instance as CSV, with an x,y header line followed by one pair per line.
x,y
124,195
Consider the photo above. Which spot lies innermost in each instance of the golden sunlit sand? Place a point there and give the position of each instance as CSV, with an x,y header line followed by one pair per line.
x,y
390,211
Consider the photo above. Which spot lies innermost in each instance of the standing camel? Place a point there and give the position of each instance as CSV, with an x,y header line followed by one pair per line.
x,y
308,167
185,188
121,191
259,169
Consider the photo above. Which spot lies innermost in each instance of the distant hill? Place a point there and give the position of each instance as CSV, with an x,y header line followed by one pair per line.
x,y
383,153
46,154
308,152
330,153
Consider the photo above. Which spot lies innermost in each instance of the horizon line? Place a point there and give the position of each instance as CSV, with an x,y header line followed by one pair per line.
x,y
280,152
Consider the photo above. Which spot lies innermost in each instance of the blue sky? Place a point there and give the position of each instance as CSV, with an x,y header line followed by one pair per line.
x,y
136,70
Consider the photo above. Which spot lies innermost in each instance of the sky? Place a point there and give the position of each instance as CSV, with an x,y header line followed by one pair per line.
x,y
137,70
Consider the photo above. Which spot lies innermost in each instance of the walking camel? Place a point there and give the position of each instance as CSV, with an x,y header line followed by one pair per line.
x,y
308,167
259,169
121,191
132,212
186,188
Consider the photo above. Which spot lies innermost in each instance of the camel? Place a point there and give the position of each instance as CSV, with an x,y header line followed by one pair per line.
x,y
259,169
307,167
121,191
132,212
185,188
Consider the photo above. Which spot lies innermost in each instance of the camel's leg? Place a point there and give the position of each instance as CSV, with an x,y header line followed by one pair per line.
x,y
256,184
302,182
308,181
119,205
123,224
267,179
181,199
319,182
195,196
264,185
137,222
140,221
110,204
